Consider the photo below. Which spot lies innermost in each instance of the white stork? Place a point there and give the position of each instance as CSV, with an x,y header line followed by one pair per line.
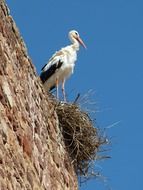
x,y
61,65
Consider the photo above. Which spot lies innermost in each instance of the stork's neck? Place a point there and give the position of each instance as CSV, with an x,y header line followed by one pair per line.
x,y
75,44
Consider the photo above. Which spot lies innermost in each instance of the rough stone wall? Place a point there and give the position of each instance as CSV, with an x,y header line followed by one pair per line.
x,y
32,153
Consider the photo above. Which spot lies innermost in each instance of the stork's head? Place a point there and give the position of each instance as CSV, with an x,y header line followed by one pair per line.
x,y
75,38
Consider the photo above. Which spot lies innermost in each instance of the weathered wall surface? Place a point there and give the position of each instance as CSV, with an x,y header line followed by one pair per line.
x,y
32,153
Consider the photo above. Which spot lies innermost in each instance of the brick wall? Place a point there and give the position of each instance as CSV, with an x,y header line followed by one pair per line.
x,y
32,153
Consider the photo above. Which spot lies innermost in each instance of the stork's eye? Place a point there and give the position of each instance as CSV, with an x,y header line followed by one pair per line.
x,y
76,33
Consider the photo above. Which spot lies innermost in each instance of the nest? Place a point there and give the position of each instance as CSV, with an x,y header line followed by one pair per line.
x,y
81,137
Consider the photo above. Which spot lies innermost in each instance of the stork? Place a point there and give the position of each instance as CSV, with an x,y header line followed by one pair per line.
x,y
61,65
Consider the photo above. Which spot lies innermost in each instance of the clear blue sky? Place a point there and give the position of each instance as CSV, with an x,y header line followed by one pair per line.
x,y
112,66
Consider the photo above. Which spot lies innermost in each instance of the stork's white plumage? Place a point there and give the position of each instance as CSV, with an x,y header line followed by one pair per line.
x,y
61,65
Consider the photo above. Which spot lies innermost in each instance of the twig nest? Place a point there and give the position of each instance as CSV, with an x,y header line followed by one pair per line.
x,y
81,137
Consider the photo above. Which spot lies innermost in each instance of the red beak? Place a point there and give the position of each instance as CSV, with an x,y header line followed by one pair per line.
x,y
81,42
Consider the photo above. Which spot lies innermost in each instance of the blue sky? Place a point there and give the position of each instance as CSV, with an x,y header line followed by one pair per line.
x,y
112,66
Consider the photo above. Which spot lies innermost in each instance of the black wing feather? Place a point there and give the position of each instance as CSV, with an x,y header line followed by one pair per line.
x,y
45,75
43,67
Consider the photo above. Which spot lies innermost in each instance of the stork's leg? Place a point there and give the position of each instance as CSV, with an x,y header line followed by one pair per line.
x,y
63,89
57,88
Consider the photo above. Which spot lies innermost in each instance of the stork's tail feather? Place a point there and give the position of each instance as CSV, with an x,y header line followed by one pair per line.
x,y
52,88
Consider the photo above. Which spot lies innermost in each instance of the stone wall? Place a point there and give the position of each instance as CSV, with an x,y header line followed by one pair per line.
x,y
32,153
